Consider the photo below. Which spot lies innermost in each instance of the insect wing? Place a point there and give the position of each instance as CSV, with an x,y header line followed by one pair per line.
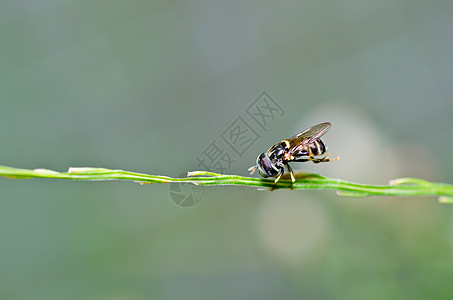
x,y
298,142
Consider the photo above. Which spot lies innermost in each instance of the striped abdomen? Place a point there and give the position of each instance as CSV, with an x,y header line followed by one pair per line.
x,y
316,148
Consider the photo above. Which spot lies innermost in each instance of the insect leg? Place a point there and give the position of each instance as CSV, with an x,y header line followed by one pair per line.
x,y
277,179
324,159
291,174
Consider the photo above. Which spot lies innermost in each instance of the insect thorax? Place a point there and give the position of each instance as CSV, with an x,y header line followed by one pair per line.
x,y
277,152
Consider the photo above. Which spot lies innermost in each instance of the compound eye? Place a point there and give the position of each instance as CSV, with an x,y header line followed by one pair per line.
x,y
265,166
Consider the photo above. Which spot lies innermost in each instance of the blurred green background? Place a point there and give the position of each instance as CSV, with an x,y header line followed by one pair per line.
x,y
146,86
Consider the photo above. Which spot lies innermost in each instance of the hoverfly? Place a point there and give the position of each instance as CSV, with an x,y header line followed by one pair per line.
x,y
305,146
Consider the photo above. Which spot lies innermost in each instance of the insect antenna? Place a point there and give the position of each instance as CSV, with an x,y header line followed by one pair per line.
x,y
252,169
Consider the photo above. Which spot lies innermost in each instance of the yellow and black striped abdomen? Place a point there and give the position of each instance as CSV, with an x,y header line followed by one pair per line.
x,y
316,148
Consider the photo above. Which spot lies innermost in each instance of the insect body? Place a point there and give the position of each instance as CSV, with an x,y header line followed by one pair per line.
x,y
305,146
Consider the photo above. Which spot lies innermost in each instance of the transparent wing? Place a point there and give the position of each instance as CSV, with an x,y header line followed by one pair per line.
x,y
306,137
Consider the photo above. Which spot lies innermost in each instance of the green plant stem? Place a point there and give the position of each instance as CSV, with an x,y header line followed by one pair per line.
x,y
397,187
